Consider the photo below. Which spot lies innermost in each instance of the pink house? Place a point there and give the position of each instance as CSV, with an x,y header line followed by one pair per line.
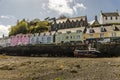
x,y
20,39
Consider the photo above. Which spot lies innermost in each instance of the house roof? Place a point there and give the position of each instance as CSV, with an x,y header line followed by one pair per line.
x,y
107,28
110,14
93,22
71,19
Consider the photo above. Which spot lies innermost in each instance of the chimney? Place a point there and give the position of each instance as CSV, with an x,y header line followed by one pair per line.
x,y
95,18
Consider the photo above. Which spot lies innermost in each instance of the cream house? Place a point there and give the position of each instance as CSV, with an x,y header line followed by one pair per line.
x,y
109,17
69,35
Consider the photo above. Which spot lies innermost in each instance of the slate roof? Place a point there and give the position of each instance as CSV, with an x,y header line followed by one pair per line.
x,y
110,14
93,22
107,28
71,19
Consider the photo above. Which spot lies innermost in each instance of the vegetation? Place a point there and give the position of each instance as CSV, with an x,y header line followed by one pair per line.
x,y
34,26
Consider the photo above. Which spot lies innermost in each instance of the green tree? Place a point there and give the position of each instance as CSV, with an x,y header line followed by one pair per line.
x,y
34,26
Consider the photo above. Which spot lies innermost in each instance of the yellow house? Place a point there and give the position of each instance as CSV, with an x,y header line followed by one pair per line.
x,y
114,31
69,35
96,33
103,32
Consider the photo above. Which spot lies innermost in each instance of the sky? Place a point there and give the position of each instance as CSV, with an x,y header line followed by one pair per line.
x,y
13,10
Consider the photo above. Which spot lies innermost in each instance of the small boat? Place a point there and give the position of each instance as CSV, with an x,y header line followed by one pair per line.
x,y
91,52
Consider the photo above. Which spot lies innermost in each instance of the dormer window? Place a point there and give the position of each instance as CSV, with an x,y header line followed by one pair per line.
x,y
111,18
78,31
103,29
91,30
106,18
59,32
68,32
115,28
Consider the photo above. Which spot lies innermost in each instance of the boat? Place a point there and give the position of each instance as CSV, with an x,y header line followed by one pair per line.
x,y
90,52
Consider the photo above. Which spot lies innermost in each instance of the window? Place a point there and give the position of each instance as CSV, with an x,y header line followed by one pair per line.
x,y
50,33
44,34
106,18
59,33
102,35
37,40
68,32
73,37
113,34
111,18
103,29
32,39
91,30
91,36
67,37
78,31
78,36
49,39
116,17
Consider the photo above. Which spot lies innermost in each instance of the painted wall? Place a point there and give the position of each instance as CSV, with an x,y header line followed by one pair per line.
x,y
96,35
114,20
39,39
65,37
5,42
20,39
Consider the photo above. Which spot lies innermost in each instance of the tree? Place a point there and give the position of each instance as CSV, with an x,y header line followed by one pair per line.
x,y
34,26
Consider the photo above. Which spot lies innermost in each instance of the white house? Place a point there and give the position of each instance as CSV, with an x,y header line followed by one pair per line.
x,y
5,42
110,17
42,38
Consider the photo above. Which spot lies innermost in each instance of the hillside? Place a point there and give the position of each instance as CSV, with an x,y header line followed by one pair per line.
x,y
38,68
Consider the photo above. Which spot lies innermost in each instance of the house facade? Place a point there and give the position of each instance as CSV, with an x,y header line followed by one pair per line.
x,y
69,35
42,38
110,17
5,42
69,23
103,33
20,39
96,34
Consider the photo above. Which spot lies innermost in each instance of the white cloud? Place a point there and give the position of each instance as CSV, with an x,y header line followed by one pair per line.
x,y
61,6
44,6
4,30
4,17
7,16
78,6
69,7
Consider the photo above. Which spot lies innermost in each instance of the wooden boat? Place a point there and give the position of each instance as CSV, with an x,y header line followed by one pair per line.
x,y
86,53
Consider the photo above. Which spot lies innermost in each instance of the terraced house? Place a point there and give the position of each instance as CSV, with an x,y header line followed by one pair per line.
x,y
69,35
5,41
109,17
20,39
66,23
42,38
103,33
